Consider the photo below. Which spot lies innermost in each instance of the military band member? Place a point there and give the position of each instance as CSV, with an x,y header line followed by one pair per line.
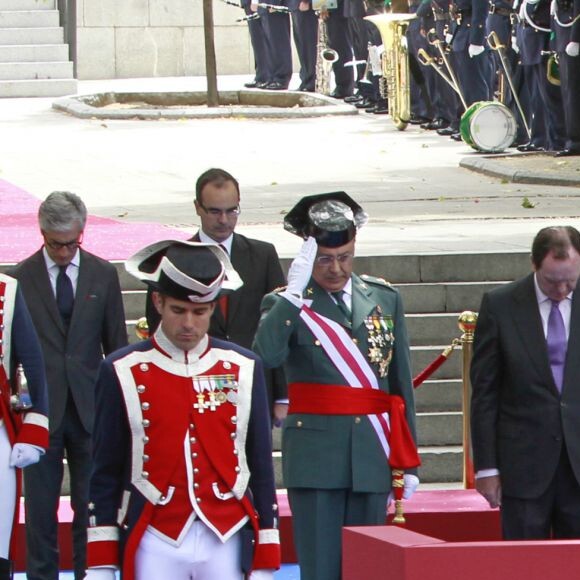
x,y
566,26
343,342
183,483
23,413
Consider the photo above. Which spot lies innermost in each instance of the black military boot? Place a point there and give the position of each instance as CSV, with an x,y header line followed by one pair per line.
x,y
5,569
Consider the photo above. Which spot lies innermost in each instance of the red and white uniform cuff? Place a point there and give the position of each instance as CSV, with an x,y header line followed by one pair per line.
x,y
267,554
34,430
103,546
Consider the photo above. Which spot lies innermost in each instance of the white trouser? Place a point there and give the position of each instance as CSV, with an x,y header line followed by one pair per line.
x,y
201,556
7,492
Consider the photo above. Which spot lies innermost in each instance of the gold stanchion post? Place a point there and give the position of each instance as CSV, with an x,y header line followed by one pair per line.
x,y
466,322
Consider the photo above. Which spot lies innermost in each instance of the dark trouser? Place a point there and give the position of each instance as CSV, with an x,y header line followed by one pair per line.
x,y
42,484
555,514
305,30
277,27
570,78
259,42
5,569
318,516
339,40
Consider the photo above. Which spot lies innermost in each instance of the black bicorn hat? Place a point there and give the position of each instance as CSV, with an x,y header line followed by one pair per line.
x,y
332,219
190,271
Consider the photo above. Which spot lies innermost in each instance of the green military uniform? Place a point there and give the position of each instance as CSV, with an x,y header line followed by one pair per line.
x,y
334,467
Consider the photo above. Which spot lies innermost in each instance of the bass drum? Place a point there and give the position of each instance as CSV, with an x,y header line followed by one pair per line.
x,y
488,126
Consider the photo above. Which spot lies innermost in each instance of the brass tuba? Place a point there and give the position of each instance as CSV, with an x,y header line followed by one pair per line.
x,y
395,62
325,58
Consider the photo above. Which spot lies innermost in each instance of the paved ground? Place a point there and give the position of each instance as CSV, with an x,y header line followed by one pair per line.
x,y
411,183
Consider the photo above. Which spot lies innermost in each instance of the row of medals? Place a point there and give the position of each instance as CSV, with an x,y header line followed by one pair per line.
x,y
381,340
215,390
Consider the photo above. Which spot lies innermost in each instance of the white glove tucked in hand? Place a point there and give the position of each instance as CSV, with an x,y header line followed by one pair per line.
x,y
301,268
448,39
262,575
103,573
24,455
475,50
411,482
573,48
515,46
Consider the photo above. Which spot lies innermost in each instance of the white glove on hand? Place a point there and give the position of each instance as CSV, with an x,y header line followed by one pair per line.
x,y
515,46
262,575
410,485
573,48
24,455
301,268
448,38
103,573
475,50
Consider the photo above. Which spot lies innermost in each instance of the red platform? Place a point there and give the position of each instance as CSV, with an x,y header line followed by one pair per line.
x,y
406,555
448,515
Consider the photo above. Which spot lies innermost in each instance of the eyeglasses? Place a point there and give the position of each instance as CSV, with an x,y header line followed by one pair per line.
x,y
70,245
327,260
217,212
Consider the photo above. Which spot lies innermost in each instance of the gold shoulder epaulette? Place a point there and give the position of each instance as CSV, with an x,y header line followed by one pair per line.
x,y
375,280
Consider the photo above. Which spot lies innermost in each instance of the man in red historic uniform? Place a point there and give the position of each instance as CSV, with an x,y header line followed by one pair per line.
x,y
183,484
23,414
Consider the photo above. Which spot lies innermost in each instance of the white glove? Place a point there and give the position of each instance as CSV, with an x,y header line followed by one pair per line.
x,y
573,48
24,455
475,50
448,38
102,573
262,575
301,268
515,46
410,485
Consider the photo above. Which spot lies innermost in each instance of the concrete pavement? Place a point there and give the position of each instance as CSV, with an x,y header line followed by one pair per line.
x,y
411,183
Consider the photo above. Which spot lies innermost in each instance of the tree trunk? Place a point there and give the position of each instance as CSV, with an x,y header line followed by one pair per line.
x,y
210,61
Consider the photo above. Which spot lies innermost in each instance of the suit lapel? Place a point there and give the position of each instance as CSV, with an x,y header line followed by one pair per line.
x,y
44,291
528,322
241,262
84,284
572,367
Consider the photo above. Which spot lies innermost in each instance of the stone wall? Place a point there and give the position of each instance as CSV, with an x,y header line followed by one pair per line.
x,y
155,38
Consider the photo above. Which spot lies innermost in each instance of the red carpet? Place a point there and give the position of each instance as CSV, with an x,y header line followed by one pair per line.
x,y
110,239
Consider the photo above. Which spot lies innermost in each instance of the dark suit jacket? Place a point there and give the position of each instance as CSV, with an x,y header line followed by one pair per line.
x,y
258,265
97,327
519,421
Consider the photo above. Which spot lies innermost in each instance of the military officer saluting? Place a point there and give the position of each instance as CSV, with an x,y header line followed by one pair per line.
x,y
183,483
343,343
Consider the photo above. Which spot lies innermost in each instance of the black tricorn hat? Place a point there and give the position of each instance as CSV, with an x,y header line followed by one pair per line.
x,y
331,218
190,271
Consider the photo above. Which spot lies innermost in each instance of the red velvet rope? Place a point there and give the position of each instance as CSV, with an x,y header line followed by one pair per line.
x,y
432,367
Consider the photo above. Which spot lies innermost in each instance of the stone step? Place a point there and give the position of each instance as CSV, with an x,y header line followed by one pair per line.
x,y
439,395
48,35
437,429
29,18
457,267
422,356
18,71
38,88
444,297
34,53
27,5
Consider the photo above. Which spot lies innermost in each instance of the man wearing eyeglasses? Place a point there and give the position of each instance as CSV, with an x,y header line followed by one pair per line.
x,y
75,303
217,203
351,419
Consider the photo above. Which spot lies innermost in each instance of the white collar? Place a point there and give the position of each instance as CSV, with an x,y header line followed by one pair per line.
x,y
178,354
226,244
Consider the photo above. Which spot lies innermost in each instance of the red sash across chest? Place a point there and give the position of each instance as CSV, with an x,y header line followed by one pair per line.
x,y
191,450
